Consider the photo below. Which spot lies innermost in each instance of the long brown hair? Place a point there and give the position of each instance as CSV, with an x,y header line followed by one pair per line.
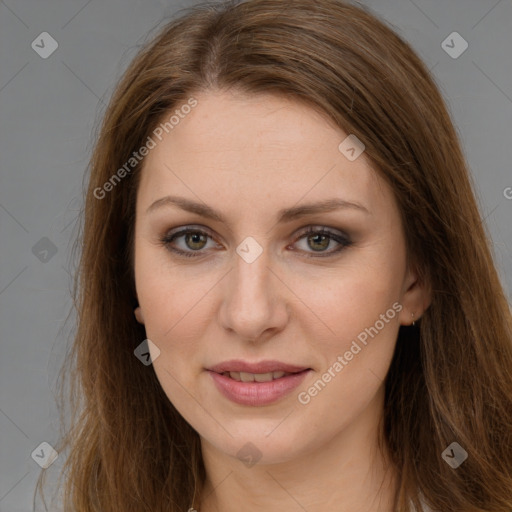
x,y
451,375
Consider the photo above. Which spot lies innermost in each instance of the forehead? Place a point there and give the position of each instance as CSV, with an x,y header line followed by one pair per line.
x,y
234,149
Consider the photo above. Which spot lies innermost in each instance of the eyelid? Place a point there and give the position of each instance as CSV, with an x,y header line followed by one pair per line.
x,y
317,228
183,230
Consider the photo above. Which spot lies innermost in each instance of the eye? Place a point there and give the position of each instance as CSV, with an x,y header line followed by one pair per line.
x,y
194,240
319,238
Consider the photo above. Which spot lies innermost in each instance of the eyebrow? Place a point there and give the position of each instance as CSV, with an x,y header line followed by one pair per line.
x,y
284,215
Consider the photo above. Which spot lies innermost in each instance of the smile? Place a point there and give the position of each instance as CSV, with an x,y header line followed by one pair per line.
x,y
257,389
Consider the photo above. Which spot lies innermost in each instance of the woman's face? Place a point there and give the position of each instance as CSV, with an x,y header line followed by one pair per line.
x,y
253,288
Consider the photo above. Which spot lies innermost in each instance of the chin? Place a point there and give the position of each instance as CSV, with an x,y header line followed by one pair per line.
x,y
264,441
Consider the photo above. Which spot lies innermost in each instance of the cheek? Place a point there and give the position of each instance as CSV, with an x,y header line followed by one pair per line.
x,y
351,323
352,373
169,294
177,309
172,311
339,305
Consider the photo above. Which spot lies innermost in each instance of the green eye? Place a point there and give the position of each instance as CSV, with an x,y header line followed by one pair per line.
x,y
195,239
320,239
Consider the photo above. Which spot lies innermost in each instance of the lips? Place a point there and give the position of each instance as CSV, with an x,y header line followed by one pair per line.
x,y
256,384
236,365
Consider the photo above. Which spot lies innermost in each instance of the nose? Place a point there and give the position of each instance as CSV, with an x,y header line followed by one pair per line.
x,y
254,305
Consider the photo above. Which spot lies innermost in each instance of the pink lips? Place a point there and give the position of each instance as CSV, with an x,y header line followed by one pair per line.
x,y
257,393
237,365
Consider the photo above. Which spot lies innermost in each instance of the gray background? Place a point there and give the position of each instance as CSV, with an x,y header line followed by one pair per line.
x,y
49,108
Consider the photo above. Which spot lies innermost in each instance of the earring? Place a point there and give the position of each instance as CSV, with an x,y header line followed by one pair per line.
x,y
138,315
413,322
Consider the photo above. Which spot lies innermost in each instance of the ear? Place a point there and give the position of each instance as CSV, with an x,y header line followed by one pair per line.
x,y
416,297
138,315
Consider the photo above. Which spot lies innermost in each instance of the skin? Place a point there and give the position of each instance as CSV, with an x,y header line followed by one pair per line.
x,y
248,157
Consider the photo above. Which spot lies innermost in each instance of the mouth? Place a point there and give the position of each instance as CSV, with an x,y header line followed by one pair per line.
x,y
256,384
238,366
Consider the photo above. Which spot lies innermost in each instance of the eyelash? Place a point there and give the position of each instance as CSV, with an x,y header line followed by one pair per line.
x,y
342,240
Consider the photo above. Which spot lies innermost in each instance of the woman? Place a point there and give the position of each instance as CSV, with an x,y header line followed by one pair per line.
x,y
280,219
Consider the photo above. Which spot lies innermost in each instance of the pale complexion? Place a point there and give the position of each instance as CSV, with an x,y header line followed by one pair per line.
x,y
248,157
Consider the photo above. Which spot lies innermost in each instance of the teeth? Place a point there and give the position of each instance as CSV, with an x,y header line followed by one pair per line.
x,y
255,377
263,377
246,377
